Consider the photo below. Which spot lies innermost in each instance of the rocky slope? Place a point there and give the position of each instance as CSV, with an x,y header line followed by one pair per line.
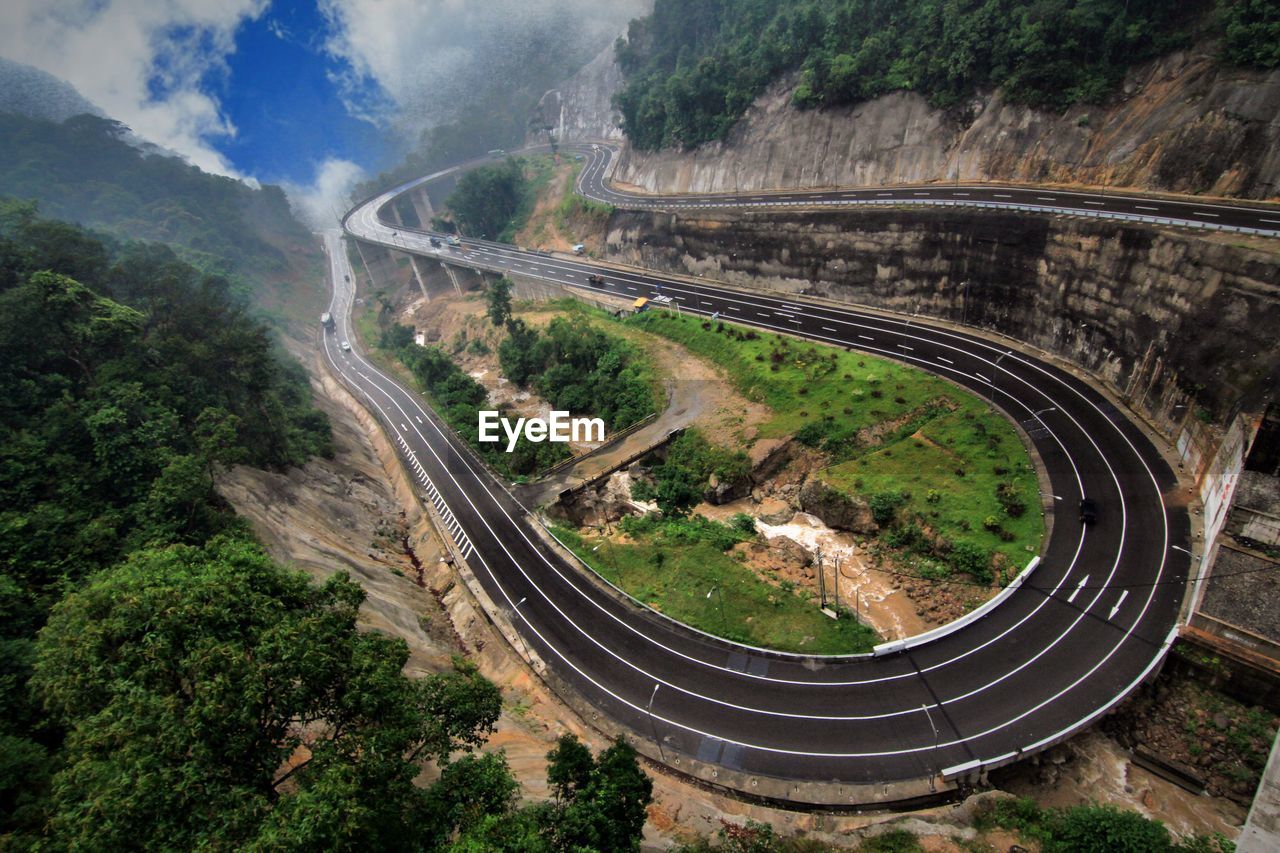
x,y
1180,324
1183,123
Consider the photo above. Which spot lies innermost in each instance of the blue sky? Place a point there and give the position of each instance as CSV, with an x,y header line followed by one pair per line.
x,y
311,94
281,93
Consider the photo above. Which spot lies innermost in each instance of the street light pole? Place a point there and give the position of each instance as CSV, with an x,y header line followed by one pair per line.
x,y
932,776
653,726
822,581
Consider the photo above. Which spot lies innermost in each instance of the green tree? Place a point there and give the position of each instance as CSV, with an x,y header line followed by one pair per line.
x,y
498,299
608,812
487,200
213,670
569,766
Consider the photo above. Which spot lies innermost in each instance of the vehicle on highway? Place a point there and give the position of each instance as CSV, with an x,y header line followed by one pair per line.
x,y
595,280
435,242
346,347
453,241
326,320
1088,511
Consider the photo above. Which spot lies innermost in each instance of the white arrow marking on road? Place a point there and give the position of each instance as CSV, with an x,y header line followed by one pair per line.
x,y
1116,609
1072,597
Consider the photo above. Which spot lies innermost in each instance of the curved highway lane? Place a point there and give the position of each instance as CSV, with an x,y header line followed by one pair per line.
x,y
1214,215
1090,623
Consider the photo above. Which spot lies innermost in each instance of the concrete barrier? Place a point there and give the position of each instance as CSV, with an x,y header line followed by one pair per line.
x,y
967,619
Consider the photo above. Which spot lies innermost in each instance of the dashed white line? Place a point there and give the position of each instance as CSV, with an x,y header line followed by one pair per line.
x,y
866,338
829,329
1045,198
1144,207
1002,195
945,360
1204,213
1098,203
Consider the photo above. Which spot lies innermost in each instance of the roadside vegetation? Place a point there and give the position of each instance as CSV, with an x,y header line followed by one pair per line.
x,y
494,202
682,567
947,478
692,69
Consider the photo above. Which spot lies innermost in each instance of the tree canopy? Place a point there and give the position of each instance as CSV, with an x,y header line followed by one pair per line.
x,y
212,698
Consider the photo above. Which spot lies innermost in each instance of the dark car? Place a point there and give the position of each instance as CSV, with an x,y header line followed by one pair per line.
x,y
435,242
1088,511
595,280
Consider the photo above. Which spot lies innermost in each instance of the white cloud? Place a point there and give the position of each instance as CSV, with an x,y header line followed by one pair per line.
x,y
429,55
321,203
142,61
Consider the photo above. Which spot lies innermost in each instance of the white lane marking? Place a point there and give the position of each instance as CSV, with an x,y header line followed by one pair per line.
x,y
632,289
419,420
965,194
1145,207
794,308
1098,203
1072,597
758,314
945,360
1274,221
1002,195
829,329
1045,198
1116,609
905,347
866,337
734,308
884,194
1204,213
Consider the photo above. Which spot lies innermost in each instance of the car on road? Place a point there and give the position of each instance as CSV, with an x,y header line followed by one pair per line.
x,y
1088,511
346,347
435,242
453,241
595,280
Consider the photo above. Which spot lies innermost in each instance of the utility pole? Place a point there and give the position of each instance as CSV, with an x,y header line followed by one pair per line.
x,y
837,587
822,581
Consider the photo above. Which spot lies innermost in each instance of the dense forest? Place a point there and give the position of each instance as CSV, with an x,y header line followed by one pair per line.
x,y
163,683
83,170
694,66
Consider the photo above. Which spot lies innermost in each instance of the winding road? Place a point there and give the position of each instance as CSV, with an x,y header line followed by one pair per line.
x,y
1086,627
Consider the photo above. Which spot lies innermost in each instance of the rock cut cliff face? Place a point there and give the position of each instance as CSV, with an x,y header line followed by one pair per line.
x,y
1183,124
1175,322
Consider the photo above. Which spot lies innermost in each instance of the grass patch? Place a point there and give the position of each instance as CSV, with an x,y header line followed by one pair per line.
x,y
957,468
951,473
673,565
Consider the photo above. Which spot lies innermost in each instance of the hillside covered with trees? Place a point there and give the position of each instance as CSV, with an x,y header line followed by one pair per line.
x,y
165,684
694,66
84,170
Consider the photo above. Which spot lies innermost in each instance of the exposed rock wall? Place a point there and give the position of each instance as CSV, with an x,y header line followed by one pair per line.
x,y
1176,322
582,106
1182,123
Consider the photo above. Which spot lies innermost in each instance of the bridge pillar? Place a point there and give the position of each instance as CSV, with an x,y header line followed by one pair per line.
x,y
453,277
417,275
1261,831
422,206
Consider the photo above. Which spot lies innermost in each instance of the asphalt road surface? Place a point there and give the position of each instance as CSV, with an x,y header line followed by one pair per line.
x,y
1090,622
